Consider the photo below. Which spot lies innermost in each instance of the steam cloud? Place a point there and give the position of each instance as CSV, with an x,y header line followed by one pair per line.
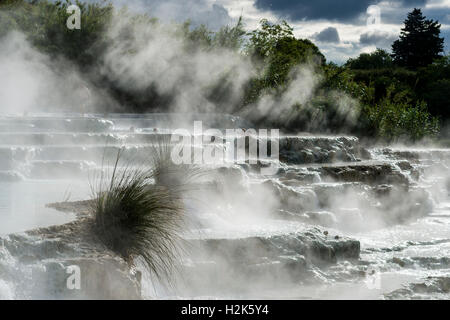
x,y
162,59
142,56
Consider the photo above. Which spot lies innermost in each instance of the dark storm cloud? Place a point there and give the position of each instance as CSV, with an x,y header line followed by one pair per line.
x,y
378,38
330,35
343,10
442,15
398,15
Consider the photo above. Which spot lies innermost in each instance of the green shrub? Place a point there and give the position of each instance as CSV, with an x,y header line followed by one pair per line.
x,y
395,117
379,59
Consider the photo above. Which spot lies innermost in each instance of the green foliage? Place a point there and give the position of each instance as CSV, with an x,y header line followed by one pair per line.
x,y
419,72
381,79
278,52
9,10
419,42
438,97
230,37
44,24
202,38
264,40
389,108
343,79
379,59
394,117
198,37
433,85
430,84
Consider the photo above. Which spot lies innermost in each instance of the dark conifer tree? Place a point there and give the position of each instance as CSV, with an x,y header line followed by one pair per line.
x,y
419,43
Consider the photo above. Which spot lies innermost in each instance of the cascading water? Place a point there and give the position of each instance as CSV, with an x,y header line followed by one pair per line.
x,y
336,221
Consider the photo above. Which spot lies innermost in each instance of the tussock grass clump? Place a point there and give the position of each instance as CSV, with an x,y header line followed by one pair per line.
x,y
137,218
139,211
178,178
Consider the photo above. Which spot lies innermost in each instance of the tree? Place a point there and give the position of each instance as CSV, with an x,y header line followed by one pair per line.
x,y
434,87
263,40
275,46
230,37
378,59
419,43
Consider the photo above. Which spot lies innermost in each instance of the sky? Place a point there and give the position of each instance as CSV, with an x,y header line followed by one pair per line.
x,y
341,28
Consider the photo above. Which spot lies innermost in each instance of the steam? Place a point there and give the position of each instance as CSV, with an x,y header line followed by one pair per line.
x,y
143,56
27,76
34,82
162,59
300,91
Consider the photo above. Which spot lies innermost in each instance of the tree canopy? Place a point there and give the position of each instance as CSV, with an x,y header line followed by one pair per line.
x,y
378,59
419,43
